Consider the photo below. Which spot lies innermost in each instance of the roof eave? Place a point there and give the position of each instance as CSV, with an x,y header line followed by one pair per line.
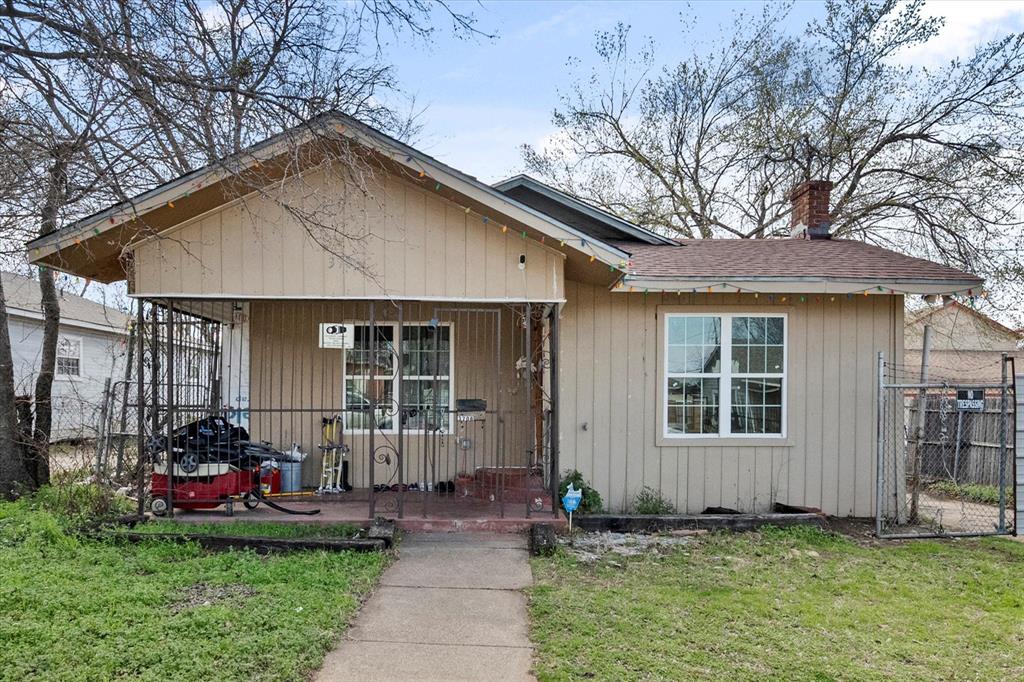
x,y
636,231
801,285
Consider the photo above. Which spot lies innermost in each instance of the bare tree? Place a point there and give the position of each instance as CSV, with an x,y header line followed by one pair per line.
x,y
103,99
924,160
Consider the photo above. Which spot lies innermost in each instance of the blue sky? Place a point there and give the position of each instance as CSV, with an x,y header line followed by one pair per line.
x,y
482,98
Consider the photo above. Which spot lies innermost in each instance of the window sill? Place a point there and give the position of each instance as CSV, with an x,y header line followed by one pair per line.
x,y
727,442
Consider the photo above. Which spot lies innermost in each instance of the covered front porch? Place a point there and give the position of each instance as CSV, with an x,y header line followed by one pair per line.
x,y
439,411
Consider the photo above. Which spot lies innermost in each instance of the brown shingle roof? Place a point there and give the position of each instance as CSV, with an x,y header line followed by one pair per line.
x,y
781,259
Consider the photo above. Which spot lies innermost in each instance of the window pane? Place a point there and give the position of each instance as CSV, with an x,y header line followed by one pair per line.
x,y
739,330
677,330
67,366
694,345
362,360
712,331
756,360
693,406
676,363
756,329
694,360
770,391
694,330
774,359
775,330
740,359
419,409
756,406
359,391
712,360
426,351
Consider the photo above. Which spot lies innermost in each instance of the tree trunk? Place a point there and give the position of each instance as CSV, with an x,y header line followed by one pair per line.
x,y
39,464
39,467
12,470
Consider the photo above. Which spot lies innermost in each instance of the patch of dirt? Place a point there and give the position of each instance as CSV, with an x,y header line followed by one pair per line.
x,y
589,548
201,594
861,530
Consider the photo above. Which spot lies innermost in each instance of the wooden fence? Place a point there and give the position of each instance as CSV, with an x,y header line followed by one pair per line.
x,y
964,447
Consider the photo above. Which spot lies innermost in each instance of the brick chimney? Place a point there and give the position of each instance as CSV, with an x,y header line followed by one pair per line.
x,y
810,218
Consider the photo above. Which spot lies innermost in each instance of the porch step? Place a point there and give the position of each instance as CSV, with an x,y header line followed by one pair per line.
x,y
486,525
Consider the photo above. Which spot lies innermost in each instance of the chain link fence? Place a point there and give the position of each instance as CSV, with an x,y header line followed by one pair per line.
x,y
946,462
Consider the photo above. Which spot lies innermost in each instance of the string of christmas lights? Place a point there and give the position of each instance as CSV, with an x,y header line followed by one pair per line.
x,y
727,287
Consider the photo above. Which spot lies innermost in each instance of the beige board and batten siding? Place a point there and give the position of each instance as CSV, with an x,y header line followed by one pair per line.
x,y
611,399
294,384
399,240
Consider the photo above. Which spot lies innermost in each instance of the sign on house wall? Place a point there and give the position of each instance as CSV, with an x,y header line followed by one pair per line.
x,y
336,335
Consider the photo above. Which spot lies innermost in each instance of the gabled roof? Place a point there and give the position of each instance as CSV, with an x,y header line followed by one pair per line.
x,y
24,300
790,265
568,209
102,235
922,315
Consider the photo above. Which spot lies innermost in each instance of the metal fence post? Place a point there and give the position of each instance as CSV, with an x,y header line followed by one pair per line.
x,y
922,416
1002,446
101,441
140,414
169,364
879,446
555,399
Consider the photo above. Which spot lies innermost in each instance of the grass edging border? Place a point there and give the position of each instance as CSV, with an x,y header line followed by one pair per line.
x,y
261,545
636,523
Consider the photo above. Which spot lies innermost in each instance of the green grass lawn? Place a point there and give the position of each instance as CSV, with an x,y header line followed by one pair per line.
x,y
75,609
785,605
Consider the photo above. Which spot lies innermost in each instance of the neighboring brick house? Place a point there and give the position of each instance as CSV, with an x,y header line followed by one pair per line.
x,y
967,346
91,347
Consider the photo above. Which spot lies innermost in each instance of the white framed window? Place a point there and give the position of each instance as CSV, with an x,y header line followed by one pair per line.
x,y
69,356
426,367
725,375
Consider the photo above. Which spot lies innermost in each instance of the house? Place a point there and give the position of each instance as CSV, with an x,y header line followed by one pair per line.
x,y
91,348
966,345
454,338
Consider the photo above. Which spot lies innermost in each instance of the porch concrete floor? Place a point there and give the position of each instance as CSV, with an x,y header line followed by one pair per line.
x,y
450,608
445,513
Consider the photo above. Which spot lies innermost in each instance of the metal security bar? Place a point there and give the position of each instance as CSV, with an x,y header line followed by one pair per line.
x,y
426,409
945,454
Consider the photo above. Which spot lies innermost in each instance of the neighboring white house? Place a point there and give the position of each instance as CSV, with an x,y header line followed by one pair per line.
x,y
91,347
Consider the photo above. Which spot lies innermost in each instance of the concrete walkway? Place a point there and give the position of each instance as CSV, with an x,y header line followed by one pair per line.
x,y
449,609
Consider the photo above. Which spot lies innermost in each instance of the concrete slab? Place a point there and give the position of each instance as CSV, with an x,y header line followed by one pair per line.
x,y
473,540
450,608
431,615
438,565
402,662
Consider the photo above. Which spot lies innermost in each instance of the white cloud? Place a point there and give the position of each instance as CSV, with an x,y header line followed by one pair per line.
x,y
571,21
968,24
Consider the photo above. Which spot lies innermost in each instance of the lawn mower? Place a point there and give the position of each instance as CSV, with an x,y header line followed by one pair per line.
x,y
215,463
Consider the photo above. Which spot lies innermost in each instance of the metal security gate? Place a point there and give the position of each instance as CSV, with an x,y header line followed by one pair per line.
x,y
416,409
946,463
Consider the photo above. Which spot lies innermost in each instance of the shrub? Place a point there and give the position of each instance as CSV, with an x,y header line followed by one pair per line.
x,y
77,503
969,492
591,502
651,502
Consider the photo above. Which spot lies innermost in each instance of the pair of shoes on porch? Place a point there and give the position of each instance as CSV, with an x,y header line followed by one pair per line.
x,y
445,487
